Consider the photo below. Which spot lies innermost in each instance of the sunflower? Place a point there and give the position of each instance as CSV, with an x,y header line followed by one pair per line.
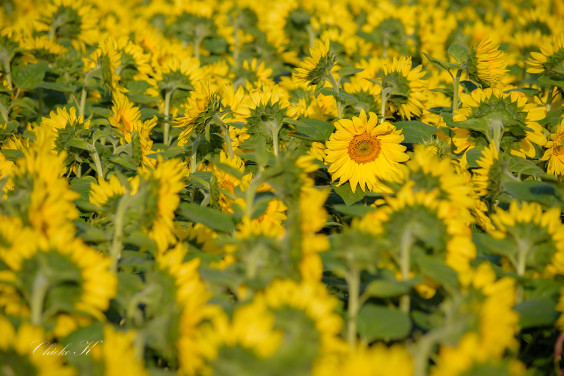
x,y
419,221
70,22
486,63
537,238
367,93
254,75
487,178
404,88
548,62
118,354
87,282
431,173
124,116
228,182
268,224
513,122
317,68
22,352
554,152
364,152
492,330
41,196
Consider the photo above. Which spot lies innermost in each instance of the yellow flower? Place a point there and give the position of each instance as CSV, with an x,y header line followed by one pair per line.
x,y
118,353
26,351
486,179
204,100
554,152
316,68
125,117
405,87
363,152
487,63
548,62
505,110
538,237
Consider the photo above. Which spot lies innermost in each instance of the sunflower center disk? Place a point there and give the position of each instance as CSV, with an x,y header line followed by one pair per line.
x,y
364,148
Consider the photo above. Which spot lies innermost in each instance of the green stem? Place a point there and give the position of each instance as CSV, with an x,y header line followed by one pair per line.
x,y
405,262
353,281
274,130
8,70
250,194
549,99
168,97
40,287
117,242
82,102
384,99
456,82
40,105
425,347
335,85
225,128
194,156
97,162
522,253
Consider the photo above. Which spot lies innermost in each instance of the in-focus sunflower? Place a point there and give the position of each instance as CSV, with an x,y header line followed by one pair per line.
x,y
554,152
486,63
317,68
403,88
23,351
364,152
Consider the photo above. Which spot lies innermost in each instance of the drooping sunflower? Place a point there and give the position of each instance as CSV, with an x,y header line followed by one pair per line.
x,y
549,61
22,351
316,69
405,88
537,238
554,152
118,354
422,223
87,282
486,63
490,333
514,121
364,152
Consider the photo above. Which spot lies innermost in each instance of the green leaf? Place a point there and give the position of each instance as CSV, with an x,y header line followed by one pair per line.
x,y
437,270
469,86
536,312
383,288
82,185
534,190
68,88
349,71
83,145
27,77
528,91
479,125
316,130
473,155
382,323
415,131
523,166
458,52
438,63
12,154
207,216
353,210
141,240
327,91
346,193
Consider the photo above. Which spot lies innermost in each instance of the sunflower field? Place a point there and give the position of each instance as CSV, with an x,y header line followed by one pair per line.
x,y
233,188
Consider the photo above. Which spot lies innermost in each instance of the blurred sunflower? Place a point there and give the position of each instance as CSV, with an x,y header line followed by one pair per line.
x,y
22,351
34,265
403,88
548,62
554,152
487,178
316,69
118,354
486,63
364,152
537,238
512,122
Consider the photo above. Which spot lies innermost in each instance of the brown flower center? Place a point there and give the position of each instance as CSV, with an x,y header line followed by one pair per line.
x,y
364,148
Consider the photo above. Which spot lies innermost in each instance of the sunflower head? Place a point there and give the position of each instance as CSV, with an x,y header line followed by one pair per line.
x,y
364,152
554,152
486,63
549,62
403,87
316,69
